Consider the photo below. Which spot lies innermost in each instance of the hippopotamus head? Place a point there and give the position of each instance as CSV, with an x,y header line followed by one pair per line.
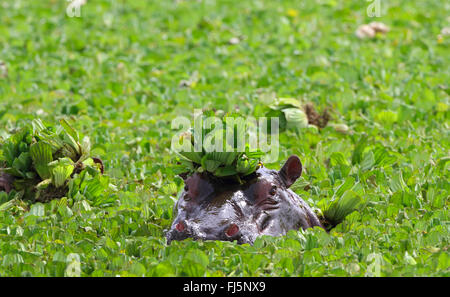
x,y
210,208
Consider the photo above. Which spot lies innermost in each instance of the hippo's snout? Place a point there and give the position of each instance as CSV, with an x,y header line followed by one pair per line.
x,y
188,229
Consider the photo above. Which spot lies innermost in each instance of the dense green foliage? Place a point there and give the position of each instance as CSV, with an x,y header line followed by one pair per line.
x,y
47,162
123,71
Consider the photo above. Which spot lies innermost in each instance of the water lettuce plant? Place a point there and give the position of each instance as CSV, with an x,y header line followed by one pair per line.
x,y
229,160
38,162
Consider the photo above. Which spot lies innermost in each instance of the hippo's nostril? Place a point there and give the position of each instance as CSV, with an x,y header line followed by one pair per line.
x,y
232,230
180,227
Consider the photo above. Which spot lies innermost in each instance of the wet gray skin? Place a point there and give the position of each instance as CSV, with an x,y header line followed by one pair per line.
x,y
216,209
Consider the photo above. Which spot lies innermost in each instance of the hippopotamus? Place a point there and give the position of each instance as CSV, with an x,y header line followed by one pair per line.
x,y
211,208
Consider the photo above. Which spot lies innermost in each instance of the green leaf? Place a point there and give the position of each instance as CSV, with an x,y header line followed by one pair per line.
x,y
138,269
397,183
344,202
164,269
10,152
368,161
289,102
359,148
7,205
44,184
195,262
69,130
336,212
195,157
346,185
23,163
41,153
61,171
37,209
38,126
210,165
295,117
225,171
12,259
337,158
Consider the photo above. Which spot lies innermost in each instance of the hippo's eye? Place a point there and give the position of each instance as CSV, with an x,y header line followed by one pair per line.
x,y
186,188
273,190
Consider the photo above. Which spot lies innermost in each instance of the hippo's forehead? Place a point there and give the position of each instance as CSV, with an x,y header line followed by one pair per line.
x,y
200,188
225,209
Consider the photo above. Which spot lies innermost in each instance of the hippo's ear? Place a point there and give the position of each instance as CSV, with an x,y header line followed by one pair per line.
x,y
291,170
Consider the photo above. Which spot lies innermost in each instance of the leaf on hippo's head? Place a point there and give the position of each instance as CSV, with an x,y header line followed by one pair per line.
x,y
247,166
225,171
210,165
195,157
223,152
